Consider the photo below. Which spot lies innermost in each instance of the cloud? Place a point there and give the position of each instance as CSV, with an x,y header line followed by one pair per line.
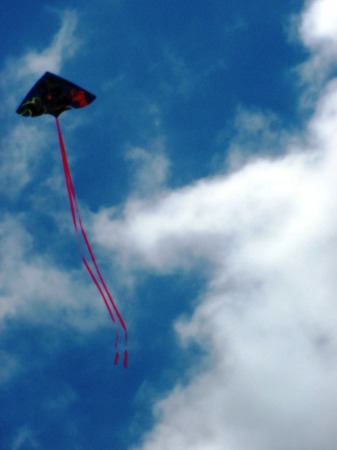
x,y
150,169
29,280
25,436
262,129
318,33
318,26
266,237
267,313
63,46
9,366
20,157
20,72
35,291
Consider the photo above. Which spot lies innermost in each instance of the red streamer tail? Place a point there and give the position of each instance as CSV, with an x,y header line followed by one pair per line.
x,y
91,264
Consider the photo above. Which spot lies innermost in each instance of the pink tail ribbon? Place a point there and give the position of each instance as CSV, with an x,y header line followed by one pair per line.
x,y
91,265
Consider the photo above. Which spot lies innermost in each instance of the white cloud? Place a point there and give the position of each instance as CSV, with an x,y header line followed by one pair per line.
x,y
20,72
318,32
267,315
150,169
268,312
32,287
63,46
36,291
318,27
20,157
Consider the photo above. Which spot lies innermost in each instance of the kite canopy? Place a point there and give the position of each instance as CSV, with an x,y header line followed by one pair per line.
x,y
53,95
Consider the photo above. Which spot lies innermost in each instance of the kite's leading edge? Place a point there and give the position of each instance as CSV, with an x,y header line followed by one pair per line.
x,y
54,95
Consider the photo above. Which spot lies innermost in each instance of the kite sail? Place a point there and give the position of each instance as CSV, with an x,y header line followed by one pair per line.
x,y
53,95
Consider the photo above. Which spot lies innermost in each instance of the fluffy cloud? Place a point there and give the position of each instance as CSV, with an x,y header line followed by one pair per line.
x,y
21,147
318,27
268,312
150,169
317,30
267,238
29,280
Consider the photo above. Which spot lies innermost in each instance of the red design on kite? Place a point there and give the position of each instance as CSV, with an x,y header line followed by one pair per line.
x,y
79,97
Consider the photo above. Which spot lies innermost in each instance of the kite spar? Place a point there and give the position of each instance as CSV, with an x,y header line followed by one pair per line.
x,y
53,95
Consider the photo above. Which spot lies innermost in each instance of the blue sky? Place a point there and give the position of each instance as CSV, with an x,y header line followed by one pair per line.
x,y
205,172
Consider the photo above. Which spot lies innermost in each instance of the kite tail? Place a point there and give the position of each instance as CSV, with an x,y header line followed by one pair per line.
x,y
93,269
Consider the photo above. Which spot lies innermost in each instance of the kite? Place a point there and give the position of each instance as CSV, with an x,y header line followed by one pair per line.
x,y
53,95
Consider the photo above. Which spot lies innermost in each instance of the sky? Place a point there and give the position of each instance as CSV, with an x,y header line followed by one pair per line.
x,y
206,175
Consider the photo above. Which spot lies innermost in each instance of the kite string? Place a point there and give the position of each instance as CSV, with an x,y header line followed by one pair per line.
x,y
77,222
